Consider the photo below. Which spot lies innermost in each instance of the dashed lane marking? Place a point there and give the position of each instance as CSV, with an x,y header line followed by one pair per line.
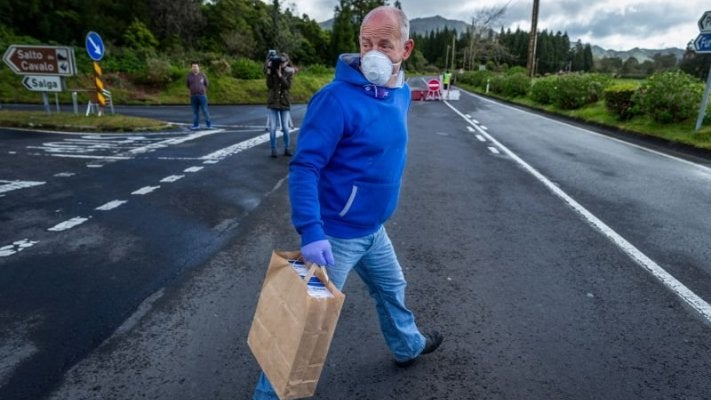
x,y
68,224
172,178
145,190
494,150
111,205
193,169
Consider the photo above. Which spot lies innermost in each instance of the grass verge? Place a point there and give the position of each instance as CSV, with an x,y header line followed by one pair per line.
x,y
81,123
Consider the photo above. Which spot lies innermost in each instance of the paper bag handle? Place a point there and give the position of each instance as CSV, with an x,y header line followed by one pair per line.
x,y
312,272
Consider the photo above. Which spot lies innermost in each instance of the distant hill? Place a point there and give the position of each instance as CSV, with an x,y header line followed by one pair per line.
x,y
641,55
423,26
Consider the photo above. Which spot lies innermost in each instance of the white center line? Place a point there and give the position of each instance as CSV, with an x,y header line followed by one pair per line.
x,y
145,190
172,178
698,304
193,169
68,224
111,205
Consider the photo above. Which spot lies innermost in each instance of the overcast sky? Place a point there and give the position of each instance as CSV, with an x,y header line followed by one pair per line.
x,y
611,24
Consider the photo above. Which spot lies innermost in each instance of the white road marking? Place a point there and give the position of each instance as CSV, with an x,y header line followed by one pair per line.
x,y
7,186
481,138
16,247
707,169
68,224
145,190
494,150
221,154
172,178
470,129
111,205
483,127
696,303
64,174
193,169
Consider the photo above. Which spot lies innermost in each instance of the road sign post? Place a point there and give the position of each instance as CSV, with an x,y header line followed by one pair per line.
x,y
95,48
42,83
702,45
40,60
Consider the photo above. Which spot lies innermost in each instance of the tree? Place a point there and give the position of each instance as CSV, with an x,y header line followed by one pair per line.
x,y
630,67
479,32
343,34
176,22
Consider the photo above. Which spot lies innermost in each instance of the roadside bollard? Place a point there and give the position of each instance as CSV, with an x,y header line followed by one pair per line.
x,y
74,102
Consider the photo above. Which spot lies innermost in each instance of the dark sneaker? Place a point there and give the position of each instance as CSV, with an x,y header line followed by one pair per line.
x,y
209,125
433,340
274,153
194,127
287,152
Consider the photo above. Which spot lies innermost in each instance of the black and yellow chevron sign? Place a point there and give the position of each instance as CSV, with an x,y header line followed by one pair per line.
x,y
100,98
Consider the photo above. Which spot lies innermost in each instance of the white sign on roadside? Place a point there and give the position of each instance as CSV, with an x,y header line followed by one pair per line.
x,y
43,83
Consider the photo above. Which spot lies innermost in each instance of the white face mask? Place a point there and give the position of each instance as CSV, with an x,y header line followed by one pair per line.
x,y
377,67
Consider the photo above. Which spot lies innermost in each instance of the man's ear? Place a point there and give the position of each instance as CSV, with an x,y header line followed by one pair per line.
x,y
409,46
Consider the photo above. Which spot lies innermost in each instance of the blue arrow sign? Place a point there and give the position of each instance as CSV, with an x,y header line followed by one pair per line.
x,y
94,46
702,44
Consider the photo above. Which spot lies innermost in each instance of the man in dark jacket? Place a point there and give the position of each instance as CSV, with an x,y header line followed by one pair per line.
x,y
279,75
197,84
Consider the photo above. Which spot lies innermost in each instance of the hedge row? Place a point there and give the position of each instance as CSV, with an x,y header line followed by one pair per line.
x,y
666,97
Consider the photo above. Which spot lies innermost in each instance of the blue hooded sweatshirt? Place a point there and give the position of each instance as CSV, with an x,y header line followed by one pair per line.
x,y
344,180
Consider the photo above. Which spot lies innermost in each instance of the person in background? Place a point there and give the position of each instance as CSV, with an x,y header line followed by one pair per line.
x,y
279,75
344,179
446,79
197,84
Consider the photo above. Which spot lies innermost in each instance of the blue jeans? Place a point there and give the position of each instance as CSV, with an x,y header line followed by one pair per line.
x,y
373,258
278,116
199,102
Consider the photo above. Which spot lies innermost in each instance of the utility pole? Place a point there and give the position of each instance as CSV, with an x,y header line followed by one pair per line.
x,y
532,40
454,37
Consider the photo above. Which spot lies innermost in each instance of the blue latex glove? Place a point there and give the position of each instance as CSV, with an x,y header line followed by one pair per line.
x,y
318,252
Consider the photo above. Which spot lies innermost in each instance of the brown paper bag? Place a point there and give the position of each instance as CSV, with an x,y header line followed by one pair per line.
x,y
291,330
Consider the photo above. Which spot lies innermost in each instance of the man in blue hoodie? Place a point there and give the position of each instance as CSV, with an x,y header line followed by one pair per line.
x,y
344,180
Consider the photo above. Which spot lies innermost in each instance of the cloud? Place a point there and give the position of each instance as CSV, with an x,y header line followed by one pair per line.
x,y
613,24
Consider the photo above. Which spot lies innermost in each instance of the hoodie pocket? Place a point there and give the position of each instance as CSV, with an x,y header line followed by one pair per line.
x,y
370,203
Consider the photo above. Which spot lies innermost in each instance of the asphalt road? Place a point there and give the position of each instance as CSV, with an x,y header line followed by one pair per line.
x,y
558,263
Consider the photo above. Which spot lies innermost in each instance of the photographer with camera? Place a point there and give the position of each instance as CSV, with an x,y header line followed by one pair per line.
x,y
279,74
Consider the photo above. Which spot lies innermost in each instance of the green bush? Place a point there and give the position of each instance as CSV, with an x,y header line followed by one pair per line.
x,y
543,89
220,66
497,84
157,73
517,70
476,78
244,68
517,84
619,100
669,97
577,90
